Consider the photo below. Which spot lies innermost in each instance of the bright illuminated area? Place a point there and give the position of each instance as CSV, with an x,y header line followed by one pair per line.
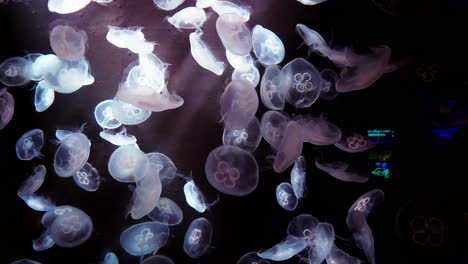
x,y
233,131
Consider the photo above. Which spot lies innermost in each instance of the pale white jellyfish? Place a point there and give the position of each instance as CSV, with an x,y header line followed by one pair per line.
x,y
131,38
167,5
298,177
29,145
72,154
7,107
32,57
166,212
341,171
43,97
188,18
224,7
68,42
284,250
303,226
338,256
238,61
321,243
267,46
33,182
354,143
61,134
273,126
43,65
286,197
311,2
203,54
234,34
166,168
247,138
128,114
318,131
247,72
67,7
271,91
290,147
144,238
251,258
329,78
15,71
239,103
120,138
37,202
124,163
43,242
111,258
24,261
87,178
198,237
158,259
195,198
205,3
104,115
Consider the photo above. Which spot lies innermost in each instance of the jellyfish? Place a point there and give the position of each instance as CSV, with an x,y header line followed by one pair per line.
x,y
341,171
7,107
188,18
234,34
37,202
87,178
301,83
198,237
239,103
311,2
120,138
25,261
247,72
247,138
164,165
68,42
128,114
157,259
232,170
61,134
104,115
125,161
271,91
31,58
33,182
29,145
15,71
205,3
273,125
43,242
72,154
298,177
321,243
357,221
167,5
285,196
44,65
203,54
43,97
290,147
131,38
167,212
252,258
303,226
238,61
195,198
338,256
267,46
144,238
318,131
111,258
224,7
284,250
329,78
354,143
67,7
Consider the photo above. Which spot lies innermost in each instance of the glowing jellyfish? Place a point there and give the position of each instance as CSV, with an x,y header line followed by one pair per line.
x,y
44,65
157,259
37,202
164,165
311,2
273,126
67,7
270,89
284,250
167,4
337,256
198,237
205,3
357,221
104,115
195,198
301,82
303,226
7,107
120,138
298,177
252,258
329,78
188,18
25,261
247,72
15,71
203,54
290,147
43,242
129,114
224,7
232,170
124,163
341,171
87,178
268,48
239,103
238,61
131,38
32,58
144,238
354,143
234,34
29,145
321,243
285,196
72,154
247,138
111,258
43,97
318,131
33,182
68,42
167,212
61,134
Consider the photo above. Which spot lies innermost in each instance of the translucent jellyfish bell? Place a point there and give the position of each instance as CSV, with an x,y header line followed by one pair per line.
x,y
205,3
7,107
318,131
341,171
298,177
290,147
111,258
32,57
251,258
301,82
167,5
104,115
188,18
64,76
303,226
329,78
311,2
43,242
68,43
67,7
164,165
87,178
144,238
119,138
128,114
29,145
43,97
45,65
267,46
273,126
284,250
234,34
25,261
224,7
232,170
125,161
158,259
33,182
70,226
238,61
15,71
271,91
337,255
321,243
239,103
131,38
285,196
354,143
37,202
194,197
72,154
247,138
247,72
167,212
198,237
203,54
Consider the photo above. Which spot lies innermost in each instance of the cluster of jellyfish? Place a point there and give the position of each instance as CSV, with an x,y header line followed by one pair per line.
x,y
230,168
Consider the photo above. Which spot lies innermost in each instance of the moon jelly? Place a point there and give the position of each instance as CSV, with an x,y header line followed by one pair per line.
x,y
239,103
318,131
68,43
198,237
37,203
205,3
87,178
234,34
303,226
290,147
131,38
33,182
25,261
298,177
247,138
311,2
43,97
188,18
124,163
104,115
67,7
157,259
285,196
164,165
341,171
238,61
270,89
129,114
273,126
321,243
203,54
144,238
337,256
194,197
232,170
15,71
147,192
252,258
268,48
224,7
247,72
43,242
72,154
168,4
120,138
284,250
167,212
111,258
7,107
329,78
29,145
354,143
